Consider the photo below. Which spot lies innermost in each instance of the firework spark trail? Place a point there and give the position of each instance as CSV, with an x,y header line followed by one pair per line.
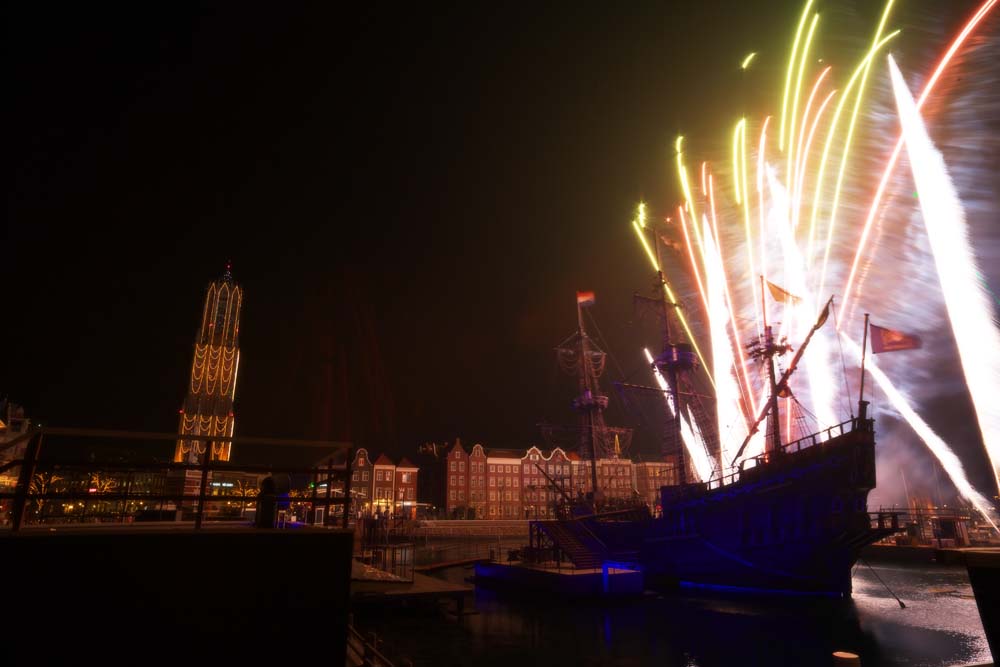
x,y
968,305
847,146
791,72
792,155
817,363
727,394
763,225
729,299
670,294
818,194
805,160
699,457
794,181
939,448
970,25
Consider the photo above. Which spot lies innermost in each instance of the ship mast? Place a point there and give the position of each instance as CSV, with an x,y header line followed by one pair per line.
x,y
586,402
773,444
674,359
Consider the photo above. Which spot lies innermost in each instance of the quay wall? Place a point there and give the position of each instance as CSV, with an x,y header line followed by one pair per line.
x,y
132,595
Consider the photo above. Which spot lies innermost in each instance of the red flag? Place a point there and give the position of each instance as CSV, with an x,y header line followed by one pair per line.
x,y
890,340
585,298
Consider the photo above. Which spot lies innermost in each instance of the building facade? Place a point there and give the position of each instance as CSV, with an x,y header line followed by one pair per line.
x,y
534,484
382,486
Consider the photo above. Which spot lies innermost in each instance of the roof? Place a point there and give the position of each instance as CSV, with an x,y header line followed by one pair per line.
x,y
457,445
505,453
405,463
384,460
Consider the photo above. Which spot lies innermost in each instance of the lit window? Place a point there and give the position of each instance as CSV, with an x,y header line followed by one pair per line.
x,y
453,466
461,480
451,494
388,475
492,468
378,475
493,481
451,481
364,476
461,466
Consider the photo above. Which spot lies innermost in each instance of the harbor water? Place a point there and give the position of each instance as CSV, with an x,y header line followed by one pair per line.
x,y
938,627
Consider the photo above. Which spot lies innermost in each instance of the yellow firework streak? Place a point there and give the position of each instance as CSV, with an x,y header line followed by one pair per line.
x,y
747,60
789,174
833,130
847,150
738,132
685,187
788,77
673,299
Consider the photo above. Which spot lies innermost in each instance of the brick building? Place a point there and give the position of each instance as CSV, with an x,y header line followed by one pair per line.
x,y
382,485
516,484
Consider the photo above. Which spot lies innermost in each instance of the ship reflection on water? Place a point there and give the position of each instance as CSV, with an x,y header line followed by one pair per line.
x,y
939,626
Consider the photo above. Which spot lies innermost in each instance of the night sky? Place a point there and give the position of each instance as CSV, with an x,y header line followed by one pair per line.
x,y
410,198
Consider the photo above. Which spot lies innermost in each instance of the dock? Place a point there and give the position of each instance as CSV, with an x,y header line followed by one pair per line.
x,y
373,587
606,581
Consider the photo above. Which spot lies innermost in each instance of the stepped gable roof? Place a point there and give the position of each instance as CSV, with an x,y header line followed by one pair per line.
x,y
384,460
458,444
405,463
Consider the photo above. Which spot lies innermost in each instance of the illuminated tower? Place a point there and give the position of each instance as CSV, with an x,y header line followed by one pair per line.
x,y
208,406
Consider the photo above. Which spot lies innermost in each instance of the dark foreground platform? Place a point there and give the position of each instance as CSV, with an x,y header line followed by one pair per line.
x,y
153,596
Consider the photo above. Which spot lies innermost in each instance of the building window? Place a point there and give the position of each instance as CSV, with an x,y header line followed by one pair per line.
x,y
354,477
515,481
461,480
378,475
453,466
451,494
451,481
364,476
461,494
493,511
406,478
493,481
409,494
461,466
388,475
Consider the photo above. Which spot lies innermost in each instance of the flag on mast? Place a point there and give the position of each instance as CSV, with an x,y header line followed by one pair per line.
x,y
890,340
780,294
585,298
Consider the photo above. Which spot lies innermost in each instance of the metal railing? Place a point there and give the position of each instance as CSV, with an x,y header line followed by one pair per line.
x,y
806,442
33,468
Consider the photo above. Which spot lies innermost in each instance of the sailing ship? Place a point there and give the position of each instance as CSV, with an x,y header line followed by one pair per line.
x,y
791,519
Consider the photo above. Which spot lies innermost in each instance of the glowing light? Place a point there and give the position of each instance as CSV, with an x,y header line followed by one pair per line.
x,y
832,133
645,245
795,100
791,71
737,136
673,299
699,457
969,309
746,61
938,447
805,161
727,395
847,149
970,25
792,175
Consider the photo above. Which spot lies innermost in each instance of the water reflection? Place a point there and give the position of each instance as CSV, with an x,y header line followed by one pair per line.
x,y
939,626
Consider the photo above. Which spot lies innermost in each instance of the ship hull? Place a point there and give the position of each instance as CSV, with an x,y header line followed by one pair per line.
x,y
794,523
